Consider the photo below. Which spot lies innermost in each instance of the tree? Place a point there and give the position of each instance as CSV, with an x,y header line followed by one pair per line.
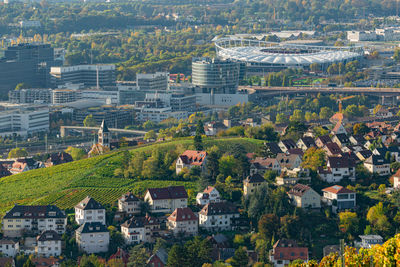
x,y
281,118
348,222
177,256
138,256
29,263
313,158
297,116
360,128
377,218
325,113
268,225
89,121
22,86
240,259
198,251
226,165
76,153
200,128
198,142
212,163
116,239
150,135
17,153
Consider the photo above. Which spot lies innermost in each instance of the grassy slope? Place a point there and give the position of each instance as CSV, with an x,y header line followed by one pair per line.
x,y
65,185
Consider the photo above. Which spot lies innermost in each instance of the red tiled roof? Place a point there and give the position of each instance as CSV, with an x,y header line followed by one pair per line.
x,y
290,253
208,189
182,214
299,190
193,157
337,189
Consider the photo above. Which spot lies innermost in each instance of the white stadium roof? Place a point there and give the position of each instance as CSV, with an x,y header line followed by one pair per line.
x,y
254,53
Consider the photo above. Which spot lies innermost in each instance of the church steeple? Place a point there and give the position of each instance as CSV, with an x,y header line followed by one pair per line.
x,y
104,134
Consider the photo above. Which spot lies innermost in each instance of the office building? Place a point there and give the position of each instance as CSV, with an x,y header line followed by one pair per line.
x,y
61,96
27,96
108,97
152,82
115,117
215,76
176,101
26,63
89,75
156,110
23,120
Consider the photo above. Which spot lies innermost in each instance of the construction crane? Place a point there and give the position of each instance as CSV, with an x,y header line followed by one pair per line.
x,y
343,98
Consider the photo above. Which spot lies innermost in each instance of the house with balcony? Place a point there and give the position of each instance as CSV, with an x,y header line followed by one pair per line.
x,y
89,210
33,220
377,164
339,197
129,204
260,165
218,216
9,247
92,237
140,229
183,220
48,244
210,194
167,199
190,159
303,196
338,168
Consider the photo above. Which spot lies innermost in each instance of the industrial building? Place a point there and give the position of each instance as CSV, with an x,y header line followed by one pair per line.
x,y
152,82
33,95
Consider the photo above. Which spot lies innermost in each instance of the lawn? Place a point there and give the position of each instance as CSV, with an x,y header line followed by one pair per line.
x,y
65,185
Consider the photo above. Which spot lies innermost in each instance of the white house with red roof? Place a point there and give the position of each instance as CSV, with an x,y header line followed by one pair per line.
x,y
286,251
167,199
210,194
190,159
183,220
339,197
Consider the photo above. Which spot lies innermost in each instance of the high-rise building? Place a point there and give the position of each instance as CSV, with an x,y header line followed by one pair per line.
x,y
152,82
26,63
89,75
215,76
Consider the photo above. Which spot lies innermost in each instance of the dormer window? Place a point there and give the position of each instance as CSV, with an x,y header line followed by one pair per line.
x,y
97,227
15,214
52,213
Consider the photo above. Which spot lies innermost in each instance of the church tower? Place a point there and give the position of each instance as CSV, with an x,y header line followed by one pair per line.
x,y
104,135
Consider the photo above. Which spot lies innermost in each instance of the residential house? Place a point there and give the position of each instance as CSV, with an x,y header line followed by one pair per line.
x,y
289,162
303,196
140,229
9,247
339,128
58,158
305,143
292,177
45,262
33,219
338,168
89,210
364,154
272,148
121,255
339,197
210,194
341,139
184,221
92,237
287,144
260,165
332,149
164,200
357,140
218,216
251,183
25,164
285,251
158,259
190,159
377,164
396,179
321,141
367,241
129,204
48,244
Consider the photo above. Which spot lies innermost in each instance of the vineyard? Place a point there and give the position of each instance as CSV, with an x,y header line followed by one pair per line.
x,y
67,184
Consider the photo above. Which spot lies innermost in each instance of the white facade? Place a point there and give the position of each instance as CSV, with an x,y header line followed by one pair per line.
x,y
189,227
210,194
83,216
93,238
357,36
48,245
217,222
165,205
382,170
9,248
133,235
144,114
221,99
23,121
127,206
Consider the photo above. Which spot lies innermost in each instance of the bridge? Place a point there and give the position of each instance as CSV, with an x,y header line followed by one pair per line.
x,y
64,130
274,91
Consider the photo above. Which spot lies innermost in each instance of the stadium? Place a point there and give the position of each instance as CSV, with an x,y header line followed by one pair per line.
x,y
261,57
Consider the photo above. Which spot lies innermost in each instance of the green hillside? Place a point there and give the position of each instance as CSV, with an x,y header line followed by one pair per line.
x,y
65,185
